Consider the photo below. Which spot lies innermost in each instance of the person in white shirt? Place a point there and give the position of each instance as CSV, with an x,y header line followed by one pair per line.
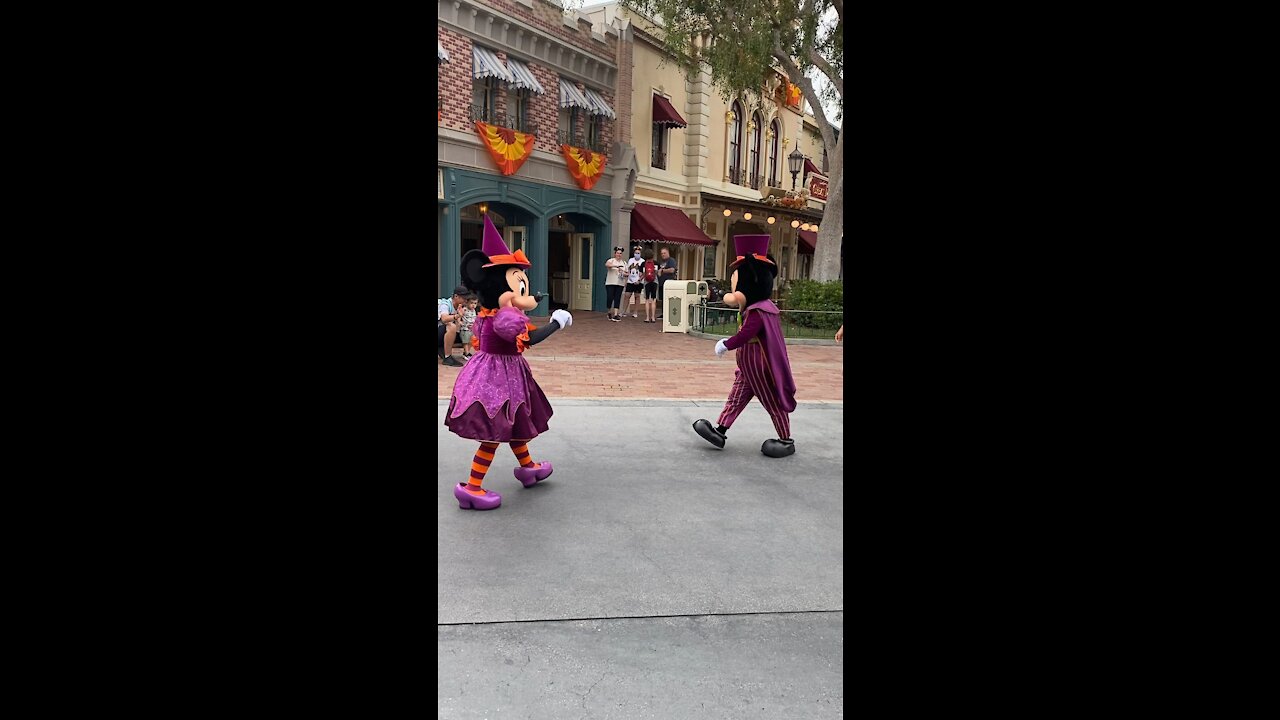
x,y
634,286
450,323
615,278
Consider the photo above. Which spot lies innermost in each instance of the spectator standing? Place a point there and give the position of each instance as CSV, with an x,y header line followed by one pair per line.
x,y
615,278
650,276
634,287
666,271
468,320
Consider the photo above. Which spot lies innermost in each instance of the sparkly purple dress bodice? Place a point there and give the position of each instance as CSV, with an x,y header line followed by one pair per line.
x,y
495,397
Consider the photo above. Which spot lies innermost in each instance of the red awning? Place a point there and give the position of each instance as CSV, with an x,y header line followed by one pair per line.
x,y
664,113
809,167
651,223
808,242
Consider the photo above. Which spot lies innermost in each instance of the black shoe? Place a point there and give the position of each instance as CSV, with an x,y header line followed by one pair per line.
x,y
709,433
452,363
778,448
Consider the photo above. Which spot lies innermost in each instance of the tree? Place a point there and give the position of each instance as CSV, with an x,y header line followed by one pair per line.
x,y
741,42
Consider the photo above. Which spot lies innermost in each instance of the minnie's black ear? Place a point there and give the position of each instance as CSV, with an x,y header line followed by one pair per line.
x,y
472,268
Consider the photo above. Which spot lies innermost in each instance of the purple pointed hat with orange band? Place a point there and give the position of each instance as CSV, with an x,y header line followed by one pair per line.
x,y
498,252
756,246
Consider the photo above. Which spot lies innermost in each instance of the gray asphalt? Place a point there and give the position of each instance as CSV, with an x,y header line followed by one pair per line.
x,y
651,575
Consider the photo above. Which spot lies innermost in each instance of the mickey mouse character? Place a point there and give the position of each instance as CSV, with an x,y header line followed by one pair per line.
x,y
495,398
764,371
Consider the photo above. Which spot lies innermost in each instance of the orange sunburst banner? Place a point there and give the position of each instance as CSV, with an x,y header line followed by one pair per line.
x,y
585,166
793,94
508,147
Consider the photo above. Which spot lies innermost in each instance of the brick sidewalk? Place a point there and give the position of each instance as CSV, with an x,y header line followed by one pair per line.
x,y
631,360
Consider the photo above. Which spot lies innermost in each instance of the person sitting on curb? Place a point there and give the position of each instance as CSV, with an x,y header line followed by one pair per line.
x,y
450,312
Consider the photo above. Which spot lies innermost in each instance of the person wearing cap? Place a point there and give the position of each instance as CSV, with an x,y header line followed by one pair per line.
x,y
615,278
763,368
450,311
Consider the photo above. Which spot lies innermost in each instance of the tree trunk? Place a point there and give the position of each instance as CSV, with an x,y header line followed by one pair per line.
x,y
826,258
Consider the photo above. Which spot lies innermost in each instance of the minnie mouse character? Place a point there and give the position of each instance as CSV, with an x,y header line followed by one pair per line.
x,y
495,398
764,371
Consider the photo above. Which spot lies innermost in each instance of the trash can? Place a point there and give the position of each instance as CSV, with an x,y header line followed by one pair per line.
x,y
680,298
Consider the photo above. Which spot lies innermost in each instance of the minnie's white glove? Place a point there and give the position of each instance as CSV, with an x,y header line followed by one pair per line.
x,y
562,317
720,348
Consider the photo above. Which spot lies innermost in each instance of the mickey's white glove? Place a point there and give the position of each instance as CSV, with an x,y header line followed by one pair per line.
x,y
562,317
720,348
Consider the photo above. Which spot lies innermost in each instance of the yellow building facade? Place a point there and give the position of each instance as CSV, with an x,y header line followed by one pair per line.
x,y
718,160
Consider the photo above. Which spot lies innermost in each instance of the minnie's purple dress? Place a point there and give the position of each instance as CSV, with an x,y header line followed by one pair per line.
x,y
495,398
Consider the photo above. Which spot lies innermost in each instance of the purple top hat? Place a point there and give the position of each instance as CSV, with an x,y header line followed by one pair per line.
x,y
756,246
497,250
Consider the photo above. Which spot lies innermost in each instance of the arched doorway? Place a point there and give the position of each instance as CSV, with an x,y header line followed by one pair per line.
x,y
572,258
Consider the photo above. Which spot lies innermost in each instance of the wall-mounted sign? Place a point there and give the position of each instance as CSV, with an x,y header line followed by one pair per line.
x,y
440,178
817,187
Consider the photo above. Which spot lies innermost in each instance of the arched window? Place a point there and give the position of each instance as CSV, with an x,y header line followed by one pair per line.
x,y
735,144
776,131
756,132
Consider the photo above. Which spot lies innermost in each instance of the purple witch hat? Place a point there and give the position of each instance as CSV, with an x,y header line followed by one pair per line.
x,y
756,246
497,250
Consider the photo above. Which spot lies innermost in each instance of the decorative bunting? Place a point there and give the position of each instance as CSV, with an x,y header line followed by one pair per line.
x,y
508,147
793,94
585,166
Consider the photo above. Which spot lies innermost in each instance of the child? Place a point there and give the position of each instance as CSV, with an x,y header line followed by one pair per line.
x,y
650,277
468,318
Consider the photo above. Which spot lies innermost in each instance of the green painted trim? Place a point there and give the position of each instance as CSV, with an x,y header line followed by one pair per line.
x,y
542,202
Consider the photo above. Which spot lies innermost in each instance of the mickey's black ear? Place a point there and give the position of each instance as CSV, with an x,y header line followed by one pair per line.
x,y
472,268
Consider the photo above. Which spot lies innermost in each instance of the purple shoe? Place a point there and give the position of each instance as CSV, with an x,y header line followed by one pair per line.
x,y
469,501
530,476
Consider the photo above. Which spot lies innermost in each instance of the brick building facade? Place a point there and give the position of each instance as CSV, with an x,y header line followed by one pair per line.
x,y
564,229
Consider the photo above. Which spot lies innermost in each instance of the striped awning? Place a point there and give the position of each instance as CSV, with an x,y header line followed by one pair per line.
x,y
523,77
570,97
488,65
599,106
441,55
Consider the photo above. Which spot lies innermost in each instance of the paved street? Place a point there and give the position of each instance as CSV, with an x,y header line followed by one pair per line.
x,y
651,576
596,358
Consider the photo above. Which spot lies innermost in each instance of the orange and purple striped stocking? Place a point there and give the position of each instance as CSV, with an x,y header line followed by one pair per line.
x,y
480,465
522,454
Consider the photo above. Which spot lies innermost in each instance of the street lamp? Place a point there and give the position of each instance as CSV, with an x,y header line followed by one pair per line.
x,y
795,161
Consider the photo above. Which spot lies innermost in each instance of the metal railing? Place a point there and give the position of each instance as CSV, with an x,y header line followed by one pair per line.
x,y
722,319
501,119
736,176
564,137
